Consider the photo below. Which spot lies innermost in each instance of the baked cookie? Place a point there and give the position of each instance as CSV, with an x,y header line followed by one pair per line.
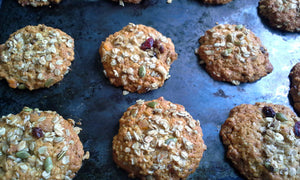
x,y
234,54
216,1
121,2
158,140
281,14
36,57
138,58
263,141
39,145
36,3
295,87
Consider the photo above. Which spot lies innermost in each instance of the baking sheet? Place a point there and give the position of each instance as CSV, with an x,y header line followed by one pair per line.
x,y
87,96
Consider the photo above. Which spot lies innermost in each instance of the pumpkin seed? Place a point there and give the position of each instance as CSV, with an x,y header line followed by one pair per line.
x,y
237,43
281,117
49,82
22,154
239,27
48,165
172,139
152,104
61,155
142,71
22,86
27,109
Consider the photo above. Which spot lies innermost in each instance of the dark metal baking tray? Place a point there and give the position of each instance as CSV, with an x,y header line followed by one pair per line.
x,y
87,96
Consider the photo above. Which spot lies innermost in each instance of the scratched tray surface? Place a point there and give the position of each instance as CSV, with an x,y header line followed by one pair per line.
x,y
87,96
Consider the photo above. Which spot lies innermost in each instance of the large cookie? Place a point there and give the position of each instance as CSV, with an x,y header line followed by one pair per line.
x,y
38,144
138,58
36,57
281,14
216,1
234,54
36,3
158,140
295,87
263,141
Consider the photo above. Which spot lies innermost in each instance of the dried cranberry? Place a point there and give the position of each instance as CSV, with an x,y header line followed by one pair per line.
x,y
37,132
297,128
157,44
268,111
148,44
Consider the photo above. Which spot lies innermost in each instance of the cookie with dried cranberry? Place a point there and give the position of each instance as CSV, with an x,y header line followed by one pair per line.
x,y
216,1
39,145
36,57
234,54
263,141
281,14
36,3
295,87
138,58
158,140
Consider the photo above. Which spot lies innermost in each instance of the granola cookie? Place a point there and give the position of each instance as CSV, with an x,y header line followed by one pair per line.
x,y
263,141
36,3
158,140
128,1
216,1
138,58
295,87
36,57
281,14
39,145
234,54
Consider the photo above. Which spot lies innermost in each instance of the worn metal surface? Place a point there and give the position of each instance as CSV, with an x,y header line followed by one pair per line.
x,y
86,95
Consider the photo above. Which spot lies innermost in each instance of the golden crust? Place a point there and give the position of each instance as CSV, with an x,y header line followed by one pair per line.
x,y
260,147
16,135
234,54
281,14
36,57
295,87
123,58
158,139
36,3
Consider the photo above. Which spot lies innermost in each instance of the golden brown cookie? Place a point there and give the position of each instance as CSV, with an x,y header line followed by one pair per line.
x,y
138,58
234,54
158,140
38,144
36,57
36,3
263,141
281,14
216,1
295,87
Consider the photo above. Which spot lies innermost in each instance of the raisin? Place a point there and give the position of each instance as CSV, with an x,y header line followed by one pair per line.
x,y
297,128
37,132
263,50
148,44
157,44
268,111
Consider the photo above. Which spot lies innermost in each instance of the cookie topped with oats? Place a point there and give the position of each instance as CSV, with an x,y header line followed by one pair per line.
x,y
138,58
36,57
216,1
158,140
36,3
263,141
234,54
281,14
38,144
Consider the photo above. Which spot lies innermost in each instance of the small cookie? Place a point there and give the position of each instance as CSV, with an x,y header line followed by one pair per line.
x,y
138,58
36,57
36,3
121,2
158,140
263,141
234,54
281,14
217,1
39,145
295,87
